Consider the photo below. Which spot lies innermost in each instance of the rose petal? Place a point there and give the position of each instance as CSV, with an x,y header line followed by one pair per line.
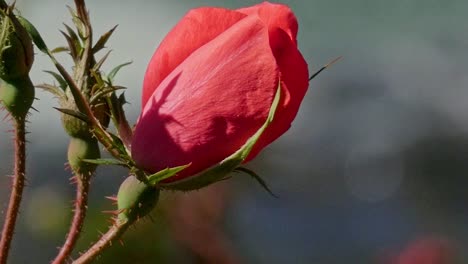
x,y
275,16
197,27
294,76
210,104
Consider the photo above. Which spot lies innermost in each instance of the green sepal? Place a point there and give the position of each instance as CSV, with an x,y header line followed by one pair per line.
x,y
257,177
16,48
161,175
119,119
135,199
106,162
73,113
60,49
73,44
119,145
98,64
226,166
34,34
62,83
114,71
104,92
103,40
80,26
53,90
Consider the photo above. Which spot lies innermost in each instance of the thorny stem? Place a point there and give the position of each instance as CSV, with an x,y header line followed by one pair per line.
x,y
17,189
115,232
81,206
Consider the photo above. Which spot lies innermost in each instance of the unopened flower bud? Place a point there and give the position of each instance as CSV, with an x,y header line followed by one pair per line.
x,y
16,58
74,126
80,149
16,48
136,199
17,96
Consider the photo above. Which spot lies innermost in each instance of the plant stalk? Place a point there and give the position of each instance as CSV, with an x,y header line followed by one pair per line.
x,y
114,233
17,189
81,206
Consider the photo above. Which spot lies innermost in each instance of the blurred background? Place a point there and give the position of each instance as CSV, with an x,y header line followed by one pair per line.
x,y
374,168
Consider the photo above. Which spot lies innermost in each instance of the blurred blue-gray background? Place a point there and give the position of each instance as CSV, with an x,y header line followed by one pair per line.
x,y
376,158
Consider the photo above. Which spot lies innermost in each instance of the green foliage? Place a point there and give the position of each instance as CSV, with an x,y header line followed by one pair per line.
x,y
105,162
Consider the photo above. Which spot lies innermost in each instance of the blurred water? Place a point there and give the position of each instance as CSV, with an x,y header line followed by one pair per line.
x,y
376,157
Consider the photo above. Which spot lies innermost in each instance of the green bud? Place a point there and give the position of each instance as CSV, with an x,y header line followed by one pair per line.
x,y
17,95
136,199
79,149
16,48
74,126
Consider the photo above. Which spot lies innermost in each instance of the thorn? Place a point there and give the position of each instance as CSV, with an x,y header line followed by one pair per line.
x,y
113,212
37,111
256,177
7,116
150,217
324,67
112,198
73,180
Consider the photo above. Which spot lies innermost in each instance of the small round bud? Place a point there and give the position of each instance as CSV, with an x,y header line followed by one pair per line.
x,y
74,126
17,95
136,199
79,149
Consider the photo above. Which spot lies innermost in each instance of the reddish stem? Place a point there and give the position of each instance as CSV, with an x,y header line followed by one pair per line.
x,y
81,206
114,233
16,191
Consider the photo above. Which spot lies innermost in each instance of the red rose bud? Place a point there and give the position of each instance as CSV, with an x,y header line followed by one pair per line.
x,y
211,83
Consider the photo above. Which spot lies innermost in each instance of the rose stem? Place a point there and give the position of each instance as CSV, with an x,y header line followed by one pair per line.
x,y
115,232
17,188
81,206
